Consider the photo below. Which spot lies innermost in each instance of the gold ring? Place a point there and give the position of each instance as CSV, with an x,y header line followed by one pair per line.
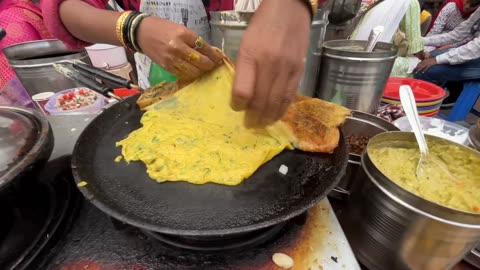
x,y
199,43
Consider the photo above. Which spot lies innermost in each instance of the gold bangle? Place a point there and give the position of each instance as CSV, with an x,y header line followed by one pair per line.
x,y
119,27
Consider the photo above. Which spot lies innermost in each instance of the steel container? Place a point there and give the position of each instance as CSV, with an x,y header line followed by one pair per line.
x,y
352,77
33,64
395,229
473,257
228,28
358,124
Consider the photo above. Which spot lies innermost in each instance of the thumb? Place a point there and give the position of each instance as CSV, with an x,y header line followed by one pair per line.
x,y
244,83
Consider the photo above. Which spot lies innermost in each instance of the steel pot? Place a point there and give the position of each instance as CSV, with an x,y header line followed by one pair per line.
x,y
473,257
26,142
353,78
474,136
358,124
395,229
33,63
227,32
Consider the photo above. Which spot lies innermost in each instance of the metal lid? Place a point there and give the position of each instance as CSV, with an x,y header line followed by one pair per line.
x,y
47,51
353,49
231,18
23,134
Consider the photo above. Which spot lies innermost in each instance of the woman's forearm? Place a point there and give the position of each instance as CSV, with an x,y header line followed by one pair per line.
x,y
89,23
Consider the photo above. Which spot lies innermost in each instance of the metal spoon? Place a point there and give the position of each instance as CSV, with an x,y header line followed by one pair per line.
x,y
408,103
374,37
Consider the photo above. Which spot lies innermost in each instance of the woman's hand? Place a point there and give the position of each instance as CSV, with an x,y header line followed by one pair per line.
x,y
270,62
172,46
425,65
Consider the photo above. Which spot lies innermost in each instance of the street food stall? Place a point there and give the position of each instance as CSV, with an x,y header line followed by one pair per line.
x,y
101,173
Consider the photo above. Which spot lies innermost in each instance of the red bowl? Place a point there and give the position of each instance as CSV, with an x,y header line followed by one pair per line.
x,y
422,90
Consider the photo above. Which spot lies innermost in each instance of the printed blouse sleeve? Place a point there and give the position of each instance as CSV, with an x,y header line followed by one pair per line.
x,y
462,54
51,17
458,34
442,19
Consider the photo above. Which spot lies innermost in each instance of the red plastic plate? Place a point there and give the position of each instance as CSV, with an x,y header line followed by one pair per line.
x,y
423,91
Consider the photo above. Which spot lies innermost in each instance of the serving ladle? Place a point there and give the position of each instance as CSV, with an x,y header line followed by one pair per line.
x,y
374,37
408,103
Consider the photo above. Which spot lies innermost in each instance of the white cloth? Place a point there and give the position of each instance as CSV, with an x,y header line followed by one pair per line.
x,y
462,54
197,21
389,13
247,5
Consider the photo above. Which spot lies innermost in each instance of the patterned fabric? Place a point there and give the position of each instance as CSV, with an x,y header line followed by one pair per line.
x,y
400,67
210,5
459,5
22,20
469,29
54,24
410,26
448,18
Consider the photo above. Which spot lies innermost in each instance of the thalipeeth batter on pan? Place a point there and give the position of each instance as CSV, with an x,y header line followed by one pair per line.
x,y
193,135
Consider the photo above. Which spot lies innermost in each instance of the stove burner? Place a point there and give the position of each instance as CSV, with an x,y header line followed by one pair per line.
x,y
218,243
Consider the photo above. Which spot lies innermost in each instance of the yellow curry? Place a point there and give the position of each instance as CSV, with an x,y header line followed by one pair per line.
x,y
451,176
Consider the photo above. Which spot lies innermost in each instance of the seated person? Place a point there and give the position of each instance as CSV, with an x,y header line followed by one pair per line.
x,y
457,64
401,27
450,15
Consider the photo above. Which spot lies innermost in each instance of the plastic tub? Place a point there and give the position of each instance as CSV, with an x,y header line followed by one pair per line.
x,y
93,108
107,56
423,91
437,127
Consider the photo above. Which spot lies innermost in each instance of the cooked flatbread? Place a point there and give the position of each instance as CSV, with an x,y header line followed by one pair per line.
x,y
313,122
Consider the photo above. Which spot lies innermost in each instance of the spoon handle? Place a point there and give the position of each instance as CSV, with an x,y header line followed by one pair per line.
x,y
373,38
408,103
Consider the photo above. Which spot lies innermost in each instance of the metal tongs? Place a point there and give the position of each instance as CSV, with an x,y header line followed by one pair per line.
x,y
90,76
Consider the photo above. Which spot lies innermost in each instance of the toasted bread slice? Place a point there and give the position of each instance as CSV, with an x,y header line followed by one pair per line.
x,y
157,93
315,123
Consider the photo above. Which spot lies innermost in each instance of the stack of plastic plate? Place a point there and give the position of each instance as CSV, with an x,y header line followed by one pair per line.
x,y
428,96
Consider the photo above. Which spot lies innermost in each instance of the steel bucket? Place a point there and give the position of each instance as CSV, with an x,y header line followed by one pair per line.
x,y
33,64
228,28
352,77
395,229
